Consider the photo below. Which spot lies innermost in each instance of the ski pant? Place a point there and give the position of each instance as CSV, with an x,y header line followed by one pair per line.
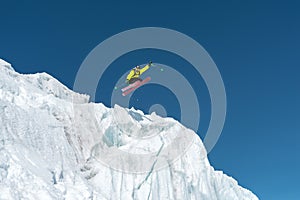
x,y
132,80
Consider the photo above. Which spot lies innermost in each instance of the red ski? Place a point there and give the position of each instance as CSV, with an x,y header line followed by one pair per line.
x,y
139,84
130,86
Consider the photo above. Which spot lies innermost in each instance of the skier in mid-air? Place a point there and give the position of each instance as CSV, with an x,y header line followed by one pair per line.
x,y
135,73
134,80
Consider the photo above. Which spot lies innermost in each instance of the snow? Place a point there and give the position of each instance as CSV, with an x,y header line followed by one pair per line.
x,y
55,144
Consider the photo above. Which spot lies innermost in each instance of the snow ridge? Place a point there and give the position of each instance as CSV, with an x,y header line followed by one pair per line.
x,y
54,144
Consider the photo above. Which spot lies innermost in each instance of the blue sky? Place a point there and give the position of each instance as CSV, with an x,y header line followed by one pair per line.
x,y
254,44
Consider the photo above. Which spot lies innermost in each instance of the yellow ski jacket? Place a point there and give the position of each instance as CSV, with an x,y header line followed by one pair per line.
x,y
133,74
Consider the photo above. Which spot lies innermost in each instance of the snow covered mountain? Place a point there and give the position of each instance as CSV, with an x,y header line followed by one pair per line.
x,y
54,144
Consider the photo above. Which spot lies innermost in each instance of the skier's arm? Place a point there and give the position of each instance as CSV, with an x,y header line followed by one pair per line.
x,y
144,69
129,76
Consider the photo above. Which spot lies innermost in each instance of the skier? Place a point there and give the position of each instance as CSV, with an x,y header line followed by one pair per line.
x,y
133,79
135,73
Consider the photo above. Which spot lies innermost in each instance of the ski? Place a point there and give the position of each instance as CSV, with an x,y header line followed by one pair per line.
x,y
129,86
136,86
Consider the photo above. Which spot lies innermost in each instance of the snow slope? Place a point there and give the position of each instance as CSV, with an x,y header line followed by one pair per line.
x,y
54,144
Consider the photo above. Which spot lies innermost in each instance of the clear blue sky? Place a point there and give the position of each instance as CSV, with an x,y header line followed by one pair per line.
x,y
255,44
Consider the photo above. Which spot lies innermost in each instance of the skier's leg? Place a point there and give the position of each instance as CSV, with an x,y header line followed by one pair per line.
x,y
133,80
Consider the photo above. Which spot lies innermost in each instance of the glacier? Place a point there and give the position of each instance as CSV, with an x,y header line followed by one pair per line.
x,y
55,144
